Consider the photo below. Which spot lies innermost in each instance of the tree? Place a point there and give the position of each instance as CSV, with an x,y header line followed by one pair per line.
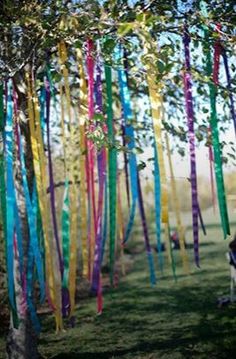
x,y
33,35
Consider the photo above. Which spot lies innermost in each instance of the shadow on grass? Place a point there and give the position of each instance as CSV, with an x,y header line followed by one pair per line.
x,y
185,346
171,319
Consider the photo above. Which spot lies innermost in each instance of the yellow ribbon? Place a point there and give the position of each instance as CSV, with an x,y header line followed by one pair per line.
x,y
39,161
149,59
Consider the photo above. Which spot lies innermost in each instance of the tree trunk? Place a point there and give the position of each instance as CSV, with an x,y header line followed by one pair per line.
x,y
22,342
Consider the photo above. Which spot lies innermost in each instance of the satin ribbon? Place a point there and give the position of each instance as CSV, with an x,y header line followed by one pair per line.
x,y
112,169
129,133
191,138
215,133
40,175
176,204
156,102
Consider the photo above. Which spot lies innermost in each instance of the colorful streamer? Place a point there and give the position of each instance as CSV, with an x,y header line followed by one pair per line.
x,y
215,133
129,133
112,168
95,188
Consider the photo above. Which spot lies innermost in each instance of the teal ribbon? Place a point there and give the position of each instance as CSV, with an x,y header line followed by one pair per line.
x,y
129,132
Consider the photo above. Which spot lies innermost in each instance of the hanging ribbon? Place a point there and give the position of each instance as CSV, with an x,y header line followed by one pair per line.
x,y
156,102
112,163
191,138
215,132
129,133
40,174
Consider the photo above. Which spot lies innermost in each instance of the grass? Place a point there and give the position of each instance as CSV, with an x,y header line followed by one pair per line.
x,y
169,321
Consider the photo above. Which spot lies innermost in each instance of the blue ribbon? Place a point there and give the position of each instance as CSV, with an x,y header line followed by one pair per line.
x,y
129,132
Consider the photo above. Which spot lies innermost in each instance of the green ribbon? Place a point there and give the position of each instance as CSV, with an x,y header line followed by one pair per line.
x,y
112,163
216,142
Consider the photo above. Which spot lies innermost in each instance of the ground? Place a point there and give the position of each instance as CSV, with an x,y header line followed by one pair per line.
x,y
173,320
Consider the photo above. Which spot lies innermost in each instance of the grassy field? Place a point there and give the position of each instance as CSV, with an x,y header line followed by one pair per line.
x,y
173,320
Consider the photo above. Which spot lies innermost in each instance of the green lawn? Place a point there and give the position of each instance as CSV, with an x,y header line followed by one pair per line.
x,y
172,320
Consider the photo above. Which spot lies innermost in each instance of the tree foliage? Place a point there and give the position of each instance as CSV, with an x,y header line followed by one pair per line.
x,y
30,32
